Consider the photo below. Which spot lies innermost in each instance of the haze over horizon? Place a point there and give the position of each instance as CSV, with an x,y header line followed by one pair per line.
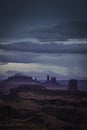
x,y
40,37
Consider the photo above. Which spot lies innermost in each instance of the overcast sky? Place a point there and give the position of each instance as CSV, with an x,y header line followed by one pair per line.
x,y
42,10
26,14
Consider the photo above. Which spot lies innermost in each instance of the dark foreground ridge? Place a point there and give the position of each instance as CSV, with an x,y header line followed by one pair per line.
x,y
43,110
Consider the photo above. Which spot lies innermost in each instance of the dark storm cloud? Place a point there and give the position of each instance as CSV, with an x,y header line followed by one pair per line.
x,y
45,48
16,57
15,13
62,31
62,60
42,8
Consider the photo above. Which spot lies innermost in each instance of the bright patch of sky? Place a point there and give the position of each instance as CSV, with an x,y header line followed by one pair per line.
x,y
64,66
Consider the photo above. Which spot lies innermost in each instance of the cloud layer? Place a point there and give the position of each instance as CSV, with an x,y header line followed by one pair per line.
x,y
60,65
46,51
70,46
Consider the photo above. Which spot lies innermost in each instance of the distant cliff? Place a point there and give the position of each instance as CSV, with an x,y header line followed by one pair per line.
x,y
16,80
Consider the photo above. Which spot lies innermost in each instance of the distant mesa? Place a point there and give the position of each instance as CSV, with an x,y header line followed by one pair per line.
x,y
26,83
21,78
23,83
18,79
73,85
48,78
52,82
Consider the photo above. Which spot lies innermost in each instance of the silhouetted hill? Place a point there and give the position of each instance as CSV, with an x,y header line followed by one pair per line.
x,y
19,78
53,85
16,80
